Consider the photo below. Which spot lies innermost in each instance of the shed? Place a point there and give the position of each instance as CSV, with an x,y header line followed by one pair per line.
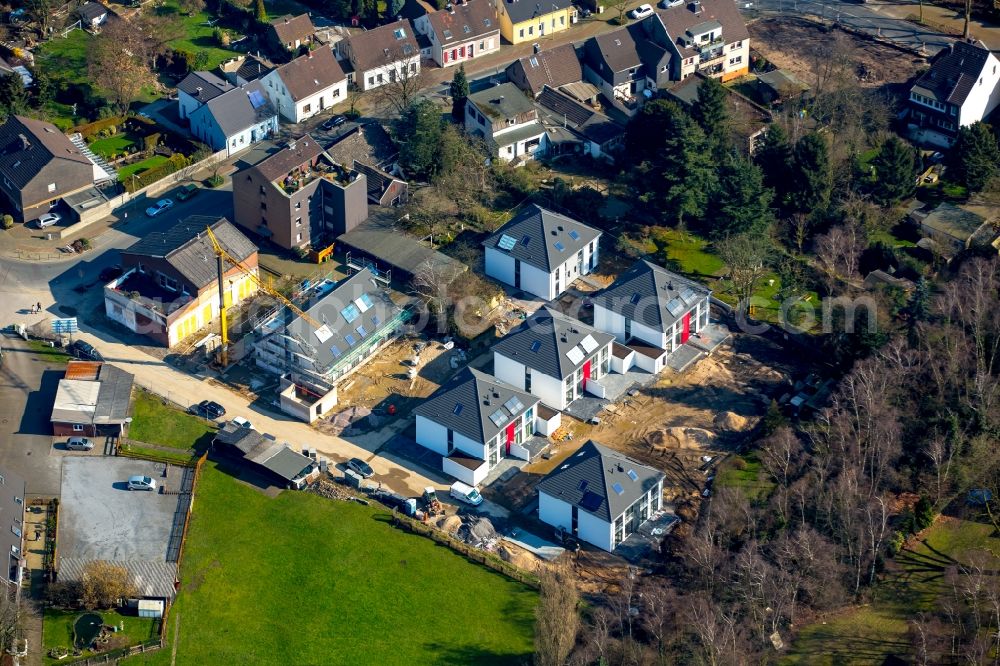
x,y
150,608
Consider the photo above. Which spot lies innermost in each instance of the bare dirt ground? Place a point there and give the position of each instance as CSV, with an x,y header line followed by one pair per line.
x,y
805,49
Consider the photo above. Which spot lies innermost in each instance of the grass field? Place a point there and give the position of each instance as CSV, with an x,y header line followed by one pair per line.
x,y
50,354
197,35
299,579
745,472
156,423
57,629
114,145
913,581
688,253
137,168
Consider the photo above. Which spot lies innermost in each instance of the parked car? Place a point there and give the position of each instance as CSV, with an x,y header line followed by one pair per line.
x,y
141,483
187,192
466,493
707,459
209,409
641,12
159,207
110,273
84,351
361,467
243,423
335,121
666,4
79,444
48,220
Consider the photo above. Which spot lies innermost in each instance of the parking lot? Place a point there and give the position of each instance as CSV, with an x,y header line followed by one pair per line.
x,y
99,518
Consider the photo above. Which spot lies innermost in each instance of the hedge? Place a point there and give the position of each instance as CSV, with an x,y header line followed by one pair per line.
x,y
92,129
175,162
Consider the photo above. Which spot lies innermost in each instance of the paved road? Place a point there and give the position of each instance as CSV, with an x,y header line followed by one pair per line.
x,y
876,19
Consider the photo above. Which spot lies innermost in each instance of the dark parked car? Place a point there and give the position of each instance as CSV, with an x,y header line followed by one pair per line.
x,y
209,409
85,351
187,192
361,467
110,273
336,121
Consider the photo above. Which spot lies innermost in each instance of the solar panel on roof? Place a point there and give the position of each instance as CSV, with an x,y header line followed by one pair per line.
x,y
559,246
514,405
256,99
575,355
498,418
363,302
573,234
350,313
617,487
591,501
675,307
507,242
350,339
589,344
533,61
335,350
688,295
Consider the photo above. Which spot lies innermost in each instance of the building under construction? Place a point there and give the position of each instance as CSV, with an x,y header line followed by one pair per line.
x,y
343,326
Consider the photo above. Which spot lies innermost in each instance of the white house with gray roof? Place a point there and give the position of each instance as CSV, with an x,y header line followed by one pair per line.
x,y
475,421
541,252
554,357
224,116
600,495
507,120
652,311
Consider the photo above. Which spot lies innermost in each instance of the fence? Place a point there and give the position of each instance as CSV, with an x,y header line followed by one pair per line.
x,y
123,450
113,656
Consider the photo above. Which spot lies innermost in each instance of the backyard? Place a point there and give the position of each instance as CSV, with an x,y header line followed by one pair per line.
x,y
302,579
57,630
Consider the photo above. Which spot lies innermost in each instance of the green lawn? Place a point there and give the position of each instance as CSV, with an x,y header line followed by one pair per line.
x,y
57,630
125,172
156,423
299,579
198,35
66,57
48,353
114,145
913,581
688,253
745,472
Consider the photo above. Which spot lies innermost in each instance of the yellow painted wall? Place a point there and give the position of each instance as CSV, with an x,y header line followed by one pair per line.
x,y
512,32
200,313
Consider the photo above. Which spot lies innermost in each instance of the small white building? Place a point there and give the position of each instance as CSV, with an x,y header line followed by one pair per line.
x,y
475,421
600,496
223,115
508,120
554,357
541,252
307,85
460,32
652,311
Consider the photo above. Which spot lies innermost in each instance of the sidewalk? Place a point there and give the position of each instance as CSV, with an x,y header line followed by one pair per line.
x,y
945,20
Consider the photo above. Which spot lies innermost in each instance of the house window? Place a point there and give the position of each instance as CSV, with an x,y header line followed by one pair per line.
x,y
371,80
531,29
307,108
263,206
298,221
336,93
52,187
77,427
569,389
298,238
298,205
521,32
562,20
379,77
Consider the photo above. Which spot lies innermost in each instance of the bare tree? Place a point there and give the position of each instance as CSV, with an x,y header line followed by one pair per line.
x,y
10,618
105,584
120,63
405,80
748,257
557,619
431,282
839,253
620,6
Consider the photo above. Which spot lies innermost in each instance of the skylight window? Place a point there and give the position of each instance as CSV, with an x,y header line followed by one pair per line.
x,y
466,29
498,418
533,61
583,484
407,49
361,331
350,313
375,320
617,487
675,307
514,405
575,355
487,22
573,234
536,345
350,339
559,246
399,33
525,239
256,99
447,34
636,297
632,475
458,408
507,242
589,344
363,302
323,333
335,350
688,295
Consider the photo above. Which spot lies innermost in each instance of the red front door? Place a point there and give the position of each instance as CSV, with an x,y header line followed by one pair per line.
x,y
586,374
510,436
686,328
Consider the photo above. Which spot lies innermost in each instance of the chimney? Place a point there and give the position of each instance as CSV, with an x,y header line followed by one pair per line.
x,y
197,92
695,7
25,144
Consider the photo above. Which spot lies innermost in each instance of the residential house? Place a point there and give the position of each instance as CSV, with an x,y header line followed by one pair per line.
x,y
278,463
748,121
600,496
554,357
12,492
959,89
879,280
344,326
507,120
384,189
955,228
707,36
461,32
169,289
224,116
244,69
630,63
367,142
652,311
379,56
541,252
39,166
553,67
92,15
92,400
474,421
530,20
290,32
298,196
575,128
307,85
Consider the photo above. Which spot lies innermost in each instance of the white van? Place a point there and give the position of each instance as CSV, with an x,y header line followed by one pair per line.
x,y
467,494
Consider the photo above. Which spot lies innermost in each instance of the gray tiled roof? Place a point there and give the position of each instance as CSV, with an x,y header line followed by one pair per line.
x,y
234,112
114,396
92,10
643,292
542,229
556,334
253,68
522,10
503,101
467,401
186,245
152,578
204,86
954,73
28,145
284,462
591,478
561,109
243,439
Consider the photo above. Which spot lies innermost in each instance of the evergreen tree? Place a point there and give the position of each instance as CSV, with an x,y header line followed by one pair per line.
x,y
711,114
13,96
973,159
395,7
920,300
459,94
774,157
260,12
742,204
420,131
895,171
810,178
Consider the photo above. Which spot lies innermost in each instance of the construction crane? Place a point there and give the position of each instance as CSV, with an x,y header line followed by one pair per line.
x,y
222,257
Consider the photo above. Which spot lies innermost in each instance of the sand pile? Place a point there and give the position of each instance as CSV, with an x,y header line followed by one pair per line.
x,y
731,421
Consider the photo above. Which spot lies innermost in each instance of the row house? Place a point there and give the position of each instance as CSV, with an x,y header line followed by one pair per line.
x,y
307,85
530,20
461,32
224,116
380,56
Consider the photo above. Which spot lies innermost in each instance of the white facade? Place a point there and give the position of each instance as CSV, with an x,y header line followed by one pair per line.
x,y
548,285
456,52
296,111
552,391
614,323
388,73
984,96
186,104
